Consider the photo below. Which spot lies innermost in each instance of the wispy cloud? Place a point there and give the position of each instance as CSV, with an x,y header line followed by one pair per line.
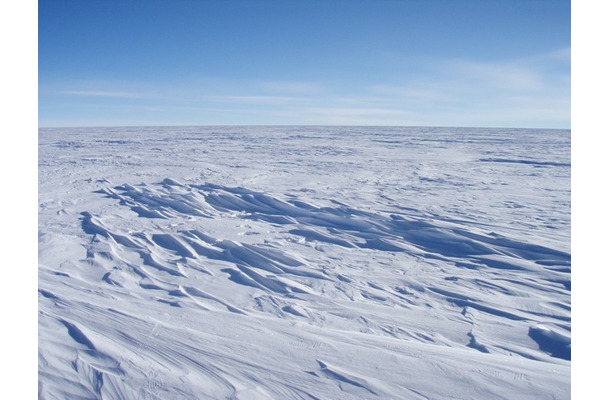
x,y
534,91
253,99
291,87
106,93
564,54
503,76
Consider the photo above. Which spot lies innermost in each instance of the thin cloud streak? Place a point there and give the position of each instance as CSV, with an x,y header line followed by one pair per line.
x,y
102,93
253,99
290,87
507,77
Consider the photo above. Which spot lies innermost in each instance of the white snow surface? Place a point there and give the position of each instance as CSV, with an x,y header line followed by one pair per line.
x,y
304,263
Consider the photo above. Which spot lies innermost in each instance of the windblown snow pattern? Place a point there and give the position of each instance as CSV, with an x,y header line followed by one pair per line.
x,y
304,263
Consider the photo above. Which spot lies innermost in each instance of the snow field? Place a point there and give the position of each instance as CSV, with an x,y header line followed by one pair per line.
x,y
304,263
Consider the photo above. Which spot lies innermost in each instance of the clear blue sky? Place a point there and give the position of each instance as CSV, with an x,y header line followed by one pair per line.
x,y
499,63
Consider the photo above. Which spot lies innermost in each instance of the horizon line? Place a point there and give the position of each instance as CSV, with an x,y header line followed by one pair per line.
x,y
295,125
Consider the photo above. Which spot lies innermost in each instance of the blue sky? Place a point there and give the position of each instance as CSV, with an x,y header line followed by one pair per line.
x,y
385,62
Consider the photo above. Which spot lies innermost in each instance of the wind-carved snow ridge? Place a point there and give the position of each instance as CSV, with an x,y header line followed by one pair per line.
x,y
191,287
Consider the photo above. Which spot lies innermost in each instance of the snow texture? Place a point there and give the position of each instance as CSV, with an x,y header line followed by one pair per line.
x,y
304,263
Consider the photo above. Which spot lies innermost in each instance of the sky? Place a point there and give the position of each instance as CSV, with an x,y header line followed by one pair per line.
x,y
504,63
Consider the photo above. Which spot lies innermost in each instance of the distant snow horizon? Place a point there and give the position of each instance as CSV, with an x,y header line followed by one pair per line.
x,y
295,125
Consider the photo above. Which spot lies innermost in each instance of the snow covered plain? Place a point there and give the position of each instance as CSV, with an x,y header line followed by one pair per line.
x,y
304,263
